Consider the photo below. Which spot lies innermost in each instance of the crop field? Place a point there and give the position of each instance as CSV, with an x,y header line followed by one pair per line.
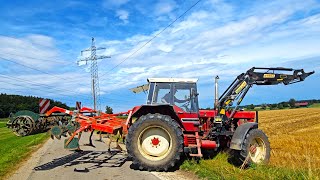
x,y
295,149
294,137
15,150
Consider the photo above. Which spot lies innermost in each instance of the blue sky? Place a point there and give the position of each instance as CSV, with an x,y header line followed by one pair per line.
x,y
42,40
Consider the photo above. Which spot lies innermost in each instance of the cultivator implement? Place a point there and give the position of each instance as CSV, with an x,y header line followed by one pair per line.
x,y
79,122
62,122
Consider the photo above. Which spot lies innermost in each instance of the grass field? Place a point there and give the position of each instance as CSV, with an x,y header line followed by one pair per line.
x,y
315,105
14,150
295,149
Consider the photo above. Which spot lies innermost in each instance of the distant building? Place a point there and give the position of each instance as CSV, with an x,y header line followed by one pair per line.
x,y
301,104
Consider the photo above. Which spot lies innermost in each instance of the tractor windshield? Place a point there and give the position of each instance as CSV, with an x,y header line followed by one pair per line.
x,y
183,95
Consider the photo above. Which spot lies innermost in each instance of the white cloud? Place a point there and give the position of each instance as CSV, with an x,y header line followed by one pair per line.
x,y
202,47
123,15
164,7
41,40
165,48
34,50
40,71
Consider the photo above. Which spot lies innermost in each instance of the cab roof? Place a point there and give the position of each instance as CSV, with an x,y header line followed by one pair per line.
x,y
169,80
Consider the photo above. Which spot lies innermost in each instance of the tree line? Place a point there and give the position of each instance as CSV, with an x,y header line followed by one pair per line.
x,y
282,105
14,103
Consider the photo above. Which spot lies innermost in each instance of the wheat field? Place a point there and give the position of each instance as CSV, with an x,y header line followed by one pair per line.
x,y
294,136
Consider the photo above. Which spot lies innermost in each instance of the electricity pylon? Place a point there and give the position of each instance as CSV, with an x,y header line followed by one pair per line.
x,y
94,72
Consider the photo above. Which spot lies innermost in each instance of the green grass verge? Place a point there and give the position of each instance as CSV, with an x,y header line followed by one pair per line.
x,y
219,168
14,150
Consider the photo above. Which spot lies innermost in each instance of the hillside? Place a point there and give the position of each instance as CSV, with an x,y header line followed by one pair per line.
x,y
14,103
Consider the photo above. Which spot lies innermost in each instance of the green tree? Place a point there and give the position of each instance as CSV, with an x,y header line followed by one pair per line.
x,y
264,106
280,106
2,114
109,110
292,103
273,106
285,104
14,103
251,106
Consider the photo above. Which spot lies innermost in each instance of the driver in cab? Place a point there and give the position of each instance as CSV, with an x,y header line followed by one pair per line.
x,y
166,98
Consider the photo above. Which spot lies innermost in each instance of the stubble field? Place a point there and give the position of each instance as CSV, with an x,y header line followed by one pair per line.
x,y
294,135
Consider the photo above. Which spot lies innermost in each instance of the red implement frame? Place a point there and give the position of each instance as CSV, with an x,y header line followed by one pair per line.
x,y
108,123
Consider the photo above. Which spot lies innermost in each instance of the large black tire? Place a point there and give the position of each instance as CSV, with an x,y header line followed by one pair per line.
x,y
256,149
145,138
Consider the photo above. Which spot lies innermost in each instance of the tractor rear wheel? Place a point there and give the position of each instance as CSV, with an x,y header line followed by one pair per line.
x,y
256,149
155,142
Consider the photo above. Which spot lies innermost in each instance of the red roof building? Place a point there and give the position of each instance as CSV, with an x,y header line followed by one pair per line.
x,y
302,104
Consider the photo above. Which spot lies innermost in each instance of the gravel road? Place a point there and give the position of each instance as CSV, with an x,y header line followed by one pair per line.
x,y
52,161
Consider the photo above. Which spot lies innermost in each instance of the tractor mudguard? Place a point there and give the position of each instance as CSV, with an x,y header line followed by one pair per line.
x,y
164,109
240,134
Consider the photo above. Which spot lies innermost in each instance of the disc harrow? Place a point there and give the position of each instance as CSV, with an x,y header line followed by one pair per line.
x,y
24,123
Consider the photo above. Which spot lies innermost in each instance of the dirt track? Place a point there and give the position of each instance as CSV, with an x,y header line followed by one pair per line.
x,y
52,161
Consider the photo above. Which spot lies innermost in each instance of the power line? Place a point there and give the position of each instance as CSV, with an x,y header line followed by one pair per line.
x,y
32,68
55,60
41,72
19,85
37,84
54,92
34,84
155,36
22,94
44,72
43,85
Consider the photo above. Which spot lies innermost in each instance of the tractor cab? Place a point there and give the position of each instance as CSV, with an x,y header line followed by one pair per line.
x,y
178,92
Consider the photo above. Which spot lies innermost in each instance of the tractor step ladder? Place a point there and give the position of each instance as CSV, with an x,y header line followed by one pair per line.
x,y
199,154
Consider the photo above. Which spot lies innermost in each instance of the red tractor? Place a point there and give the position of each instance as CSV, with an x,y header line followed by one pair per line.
x,y
171,123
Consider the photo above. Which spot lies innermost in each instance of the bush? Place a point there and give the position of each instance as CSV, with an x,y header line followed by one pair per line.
x,y
280,106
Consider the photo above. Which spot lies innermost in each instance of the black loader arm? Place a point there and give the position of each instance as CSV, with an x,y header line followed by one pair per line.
x,y
272,78
257,76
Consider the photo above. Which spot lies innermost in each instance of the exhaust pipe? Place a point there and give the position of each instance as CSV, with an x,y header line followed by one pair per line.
x,y
216,93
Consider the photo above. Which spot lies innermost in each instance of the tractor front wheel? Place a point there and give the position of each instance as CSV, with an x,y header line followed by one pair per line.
x,y
155,142
256,149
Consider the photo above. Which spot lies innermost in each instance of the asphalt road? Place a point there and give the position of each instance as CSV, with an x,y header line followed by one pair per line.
x,y
52,161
